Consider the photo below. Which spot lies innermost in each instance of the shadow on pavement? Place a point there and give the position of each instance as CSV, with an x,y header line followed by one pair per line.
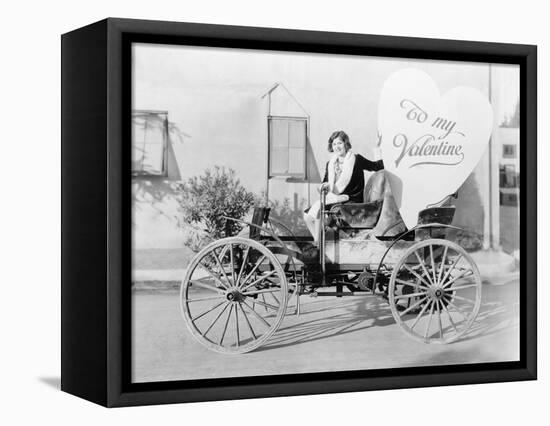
x,y
360,314
499,311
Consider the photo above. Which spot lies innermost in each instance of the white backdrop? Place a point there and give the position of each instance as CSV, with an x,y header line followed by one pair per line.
x,y
30,299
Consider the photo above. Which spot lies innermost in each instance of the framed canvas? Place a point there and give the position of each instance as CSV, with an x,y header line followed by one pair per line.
x,y
255,212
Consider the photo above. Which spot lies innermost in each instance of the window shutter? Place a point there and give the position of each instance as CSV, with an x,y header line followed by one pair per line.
x,y
278,156
287,147
297,148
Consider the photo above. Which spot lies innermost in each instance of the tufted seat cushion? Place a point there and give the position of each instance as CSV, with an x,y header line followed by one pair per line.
x,y
357,215
378,212
375,187
363,215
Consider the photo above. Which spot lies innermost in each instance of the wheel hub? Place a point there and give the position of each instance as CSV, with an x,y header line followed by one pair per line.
x,y
234,296
436,293
365,281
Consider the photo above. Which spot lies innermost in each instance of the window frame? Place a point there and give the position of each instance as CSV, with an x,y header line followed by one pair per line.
x,y
299,176
514,150
165,133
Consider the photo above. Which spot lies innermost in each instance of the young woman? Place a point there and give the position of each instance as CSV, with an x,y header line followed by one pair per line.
x,y
344,178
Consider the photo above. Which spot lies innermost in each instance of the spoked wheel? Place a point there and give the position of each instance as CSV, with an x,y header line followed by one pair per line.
x,y
435,291
234,295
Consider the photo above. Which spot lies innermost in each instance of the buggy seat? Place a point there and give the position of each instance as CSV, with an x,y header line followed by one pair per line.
x,y
379,211
363,215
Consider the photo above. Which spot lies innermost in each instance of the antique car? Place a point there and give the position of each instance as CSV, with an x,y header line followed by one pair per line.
x,y
236,291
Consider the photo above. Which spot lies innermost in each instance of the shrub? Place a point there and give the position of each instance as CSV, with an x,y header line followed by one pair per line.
x,y
469,241
204,200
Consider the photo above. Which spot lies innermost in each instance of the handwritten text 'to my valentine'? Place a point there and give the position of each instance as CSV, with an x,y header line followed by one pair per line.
x,y
428,148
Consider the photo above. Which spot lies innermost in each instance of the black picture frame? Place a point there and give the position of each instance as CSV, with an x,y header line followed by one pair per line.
x,y
96,208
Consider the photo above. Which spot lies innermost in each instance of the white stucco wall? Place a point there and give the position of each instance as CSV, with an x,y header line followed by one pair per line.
x,y
214,101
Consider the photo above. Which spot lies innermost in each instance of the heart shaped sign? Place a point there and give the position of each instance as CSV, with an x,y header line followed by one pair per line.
x,y
430,142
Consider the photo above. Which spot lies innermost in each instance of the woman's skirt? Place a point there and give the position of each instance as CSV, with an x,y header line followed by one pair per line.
x,y
331,198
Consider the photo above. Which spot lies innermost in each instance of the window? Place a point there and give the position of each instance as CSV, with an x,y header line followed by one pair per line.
x,y
510,172
287,146
508,176
509,151
149,142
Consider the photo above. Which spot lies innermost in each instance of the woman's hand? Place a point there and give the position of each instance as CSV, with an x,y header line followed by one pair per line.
x,y
377,153
323,187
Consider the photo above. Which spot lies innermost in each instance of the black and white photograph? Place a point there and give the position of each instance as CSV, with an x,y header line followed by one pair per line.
x,y
300,212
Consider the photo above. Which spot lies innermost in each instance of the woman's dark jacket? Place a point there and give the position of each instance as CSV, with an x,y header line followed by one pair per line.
x,y
354,189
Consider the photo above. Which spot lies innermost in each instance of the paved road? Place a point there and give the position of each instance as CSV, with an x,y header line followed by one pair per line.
x,y
330,335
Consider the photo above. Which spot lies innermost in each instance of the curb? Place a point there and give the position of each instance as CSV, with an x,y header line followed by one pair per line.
x,y
495,268
156,285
